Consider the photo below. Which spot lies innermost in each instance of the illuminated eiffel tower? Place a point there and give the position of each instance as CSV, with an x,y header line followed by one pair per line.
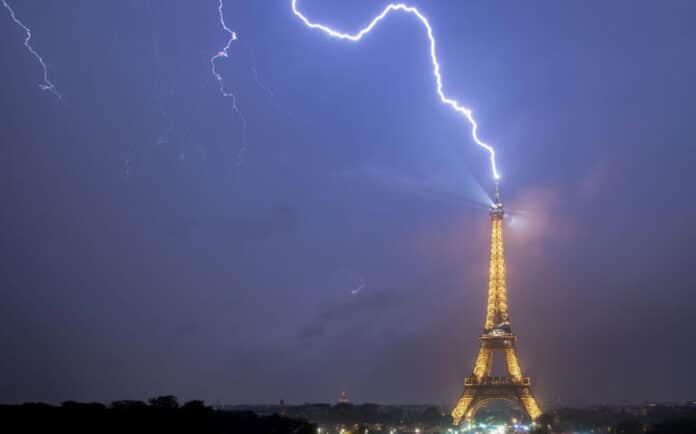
x,y
497,336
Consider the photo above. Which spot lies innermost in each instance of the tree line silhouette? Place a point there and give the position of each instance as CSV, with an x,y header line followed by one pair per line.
x,y
159,415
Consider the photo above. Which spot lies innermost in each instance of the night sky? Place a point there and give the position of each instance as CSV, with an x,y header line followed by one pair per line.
x,y
144,250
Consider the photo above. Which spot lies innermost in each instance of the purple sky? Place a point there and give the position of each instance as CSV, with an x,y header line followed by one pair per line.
x,y
347,249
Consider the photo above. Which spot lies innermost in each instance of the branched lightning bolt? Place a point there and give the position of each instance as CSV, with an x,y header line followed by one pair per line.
x,y
46,84
354,37
263,87
224,52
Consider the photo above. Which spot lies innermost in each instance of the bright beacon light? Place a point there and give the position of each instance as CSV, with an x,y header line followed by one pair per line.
x,y
466,112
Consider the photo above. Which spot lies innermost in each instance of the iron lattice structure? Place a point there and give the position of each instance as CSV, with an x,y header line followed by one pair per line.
x,y
497,337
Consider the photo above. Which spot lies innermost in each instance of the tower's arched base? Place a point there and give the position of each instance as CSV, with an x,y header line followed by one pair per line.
x,y
477,394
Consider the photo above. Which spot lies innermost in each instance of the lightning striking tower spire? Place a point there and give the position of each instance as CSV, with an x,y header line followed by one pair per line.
x,y
481,387
46,84
391,7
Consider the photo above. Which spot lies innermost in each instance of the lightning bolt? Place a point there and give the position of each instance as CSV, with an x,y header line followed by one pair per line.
x,y
224,52
400,7
263,87
360,287
46,84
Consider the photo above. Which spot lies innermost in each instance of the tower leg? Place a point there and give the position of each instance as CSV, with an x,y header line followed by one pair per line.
x,y
464,408
484,363
513,365
530,404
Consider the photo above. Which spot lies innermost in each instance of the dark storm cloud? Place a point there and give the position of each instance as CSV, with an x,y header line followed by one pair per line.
x,y
357,305
262,226
430,186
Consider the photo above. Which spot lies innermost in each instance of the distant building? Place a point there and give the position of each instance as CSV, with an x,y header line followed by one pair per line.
x,y
343,399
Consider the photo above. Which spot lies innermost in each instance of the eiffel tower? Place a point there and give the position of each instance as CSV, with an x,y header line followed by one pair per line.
x,y
481,387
